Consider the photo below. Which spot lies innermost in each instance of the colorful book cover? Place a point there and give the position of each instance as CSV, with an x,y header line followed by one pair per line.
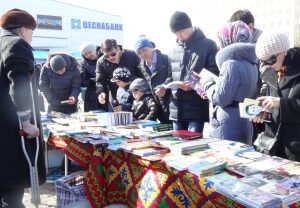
x,y
150,151
251,108
188,135
242,169
289,169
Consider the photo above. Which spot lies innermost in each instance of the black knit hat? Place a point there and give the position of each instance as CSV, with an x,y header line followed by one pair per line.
x,y
17,18
180,21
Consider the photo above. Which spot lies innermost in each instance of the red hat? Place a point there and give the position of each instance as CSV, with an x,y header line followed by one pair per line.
x,y
17,18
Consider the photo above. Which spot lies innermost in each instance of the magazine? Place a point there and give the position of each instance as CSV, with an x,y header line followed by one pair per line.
x,y
251,108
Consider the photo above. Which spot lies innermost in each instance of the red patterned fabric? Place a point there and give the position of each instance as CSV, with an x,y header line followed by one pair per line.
x,y
118,177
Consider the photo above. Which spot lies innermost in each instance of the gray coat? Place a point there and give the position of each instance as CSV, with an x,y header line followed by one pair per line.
x,y
237,80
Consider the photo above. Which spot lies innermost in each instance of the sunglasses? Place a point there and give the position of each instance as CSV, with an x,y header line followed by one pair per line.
x,y
270,61
113,54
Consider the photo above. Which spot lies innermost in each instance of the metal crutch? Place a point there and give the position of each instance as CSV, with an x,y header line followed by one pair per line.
x,y
34,178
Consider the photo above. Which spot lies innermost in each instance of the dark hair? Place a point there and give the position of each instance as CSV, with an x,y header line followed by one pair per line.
x,y
108,45
243,15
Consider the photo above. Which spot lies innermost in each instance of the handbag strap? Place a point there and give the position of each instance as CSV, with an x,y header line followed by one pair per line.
x,y
279,126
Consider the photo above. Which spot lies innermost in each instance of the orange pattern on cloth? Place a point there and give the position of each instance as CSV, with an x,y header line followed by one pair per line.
x,y
281,73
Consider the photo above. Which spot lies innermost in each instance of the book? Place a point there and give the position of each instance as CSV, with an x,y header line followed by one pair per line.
x,y
150,151
160,127
232,187
174,85
258,198
269,163
114,118
251,108
187,135
289,169
205,167
180,162
242,169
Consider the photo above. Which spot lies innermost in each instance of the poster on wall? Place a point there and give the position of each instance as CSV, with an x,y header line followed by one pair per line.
x,y
49,22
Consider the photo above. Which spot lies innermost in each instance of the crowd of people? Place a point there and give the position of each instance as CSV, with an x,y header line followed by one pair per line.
x,y
249,64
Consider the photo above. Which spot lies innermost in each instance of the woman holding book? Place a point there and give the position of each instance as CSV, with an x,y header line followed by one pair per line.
x,y
237,81
281,71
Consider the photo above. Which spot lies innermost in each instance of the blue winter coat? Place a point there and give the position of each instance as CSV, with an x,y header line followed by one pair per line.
x,y
237,80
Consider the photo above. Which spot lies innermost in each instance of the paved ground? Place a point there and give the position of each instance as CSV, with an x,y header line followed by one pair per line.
x,y
48,194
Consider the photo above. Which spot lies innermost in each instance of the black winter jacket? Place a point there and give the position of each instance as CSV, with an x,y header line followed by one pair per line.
x,y
16,72
145,108
289,112
105,69
88,79
57,88
193,55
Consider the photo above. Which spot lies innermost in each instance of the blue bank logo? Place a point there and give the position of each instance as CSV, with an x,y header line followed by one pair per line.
x,y
75,23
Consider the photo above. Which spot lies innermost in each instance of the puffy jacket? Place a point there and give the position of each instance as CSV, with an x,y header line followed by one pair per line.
x,y
57,88
145,108
237,81
105,69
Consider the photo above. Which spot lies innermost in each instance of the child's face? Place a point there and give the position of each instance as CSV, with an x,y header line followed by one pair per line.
x,y
137,95
121,83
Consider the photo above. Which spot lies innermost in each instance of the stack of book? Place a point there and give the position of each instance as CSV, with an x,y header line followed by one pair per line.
x,y
258,198
232,187
204,167
232,147
186,147
291,169
187,135
114,118
180,162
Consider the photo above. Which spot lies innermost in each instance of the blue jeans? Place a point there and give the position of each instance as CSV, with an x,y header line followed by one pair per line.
x,y
194,126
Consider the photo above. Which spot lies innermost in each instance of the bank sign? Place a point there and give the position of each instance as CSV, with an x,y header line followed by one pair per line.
x,y
78,24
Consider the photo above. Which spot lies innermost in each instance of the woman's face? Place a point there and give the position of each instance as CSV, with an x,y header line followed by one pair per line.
x,y
279,61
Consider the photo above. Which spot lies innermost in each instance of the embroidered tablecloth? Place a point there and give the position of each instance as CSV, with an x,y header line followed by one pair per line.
x,y
118,177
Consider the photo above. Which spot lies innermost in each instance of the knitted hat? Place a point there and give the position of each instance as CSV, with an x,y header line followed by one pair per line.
x,y
122,74
271,43
17,18
139,84
180,21
234,32
141,43
87,47
57,63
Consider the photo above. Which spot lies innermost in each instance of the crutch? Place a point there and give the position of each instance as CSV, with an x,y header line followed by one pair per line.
x,y
32,162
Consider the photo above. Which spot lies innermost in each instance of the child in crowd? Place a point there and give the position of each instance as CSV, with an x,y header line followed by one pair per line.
x,y
123,78
144,107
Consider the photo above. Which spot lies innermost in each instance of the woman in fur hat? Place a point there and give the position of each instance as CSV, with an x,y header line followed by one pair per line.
x,y
16,71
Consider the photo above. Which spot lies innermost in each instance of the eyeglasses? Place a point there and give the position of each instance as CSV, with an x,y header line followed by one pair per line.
x,y
113,54
270,61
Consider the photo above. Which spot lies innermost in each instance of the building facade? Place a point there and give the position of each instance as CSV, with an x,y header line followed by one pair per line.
x,y
63,27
